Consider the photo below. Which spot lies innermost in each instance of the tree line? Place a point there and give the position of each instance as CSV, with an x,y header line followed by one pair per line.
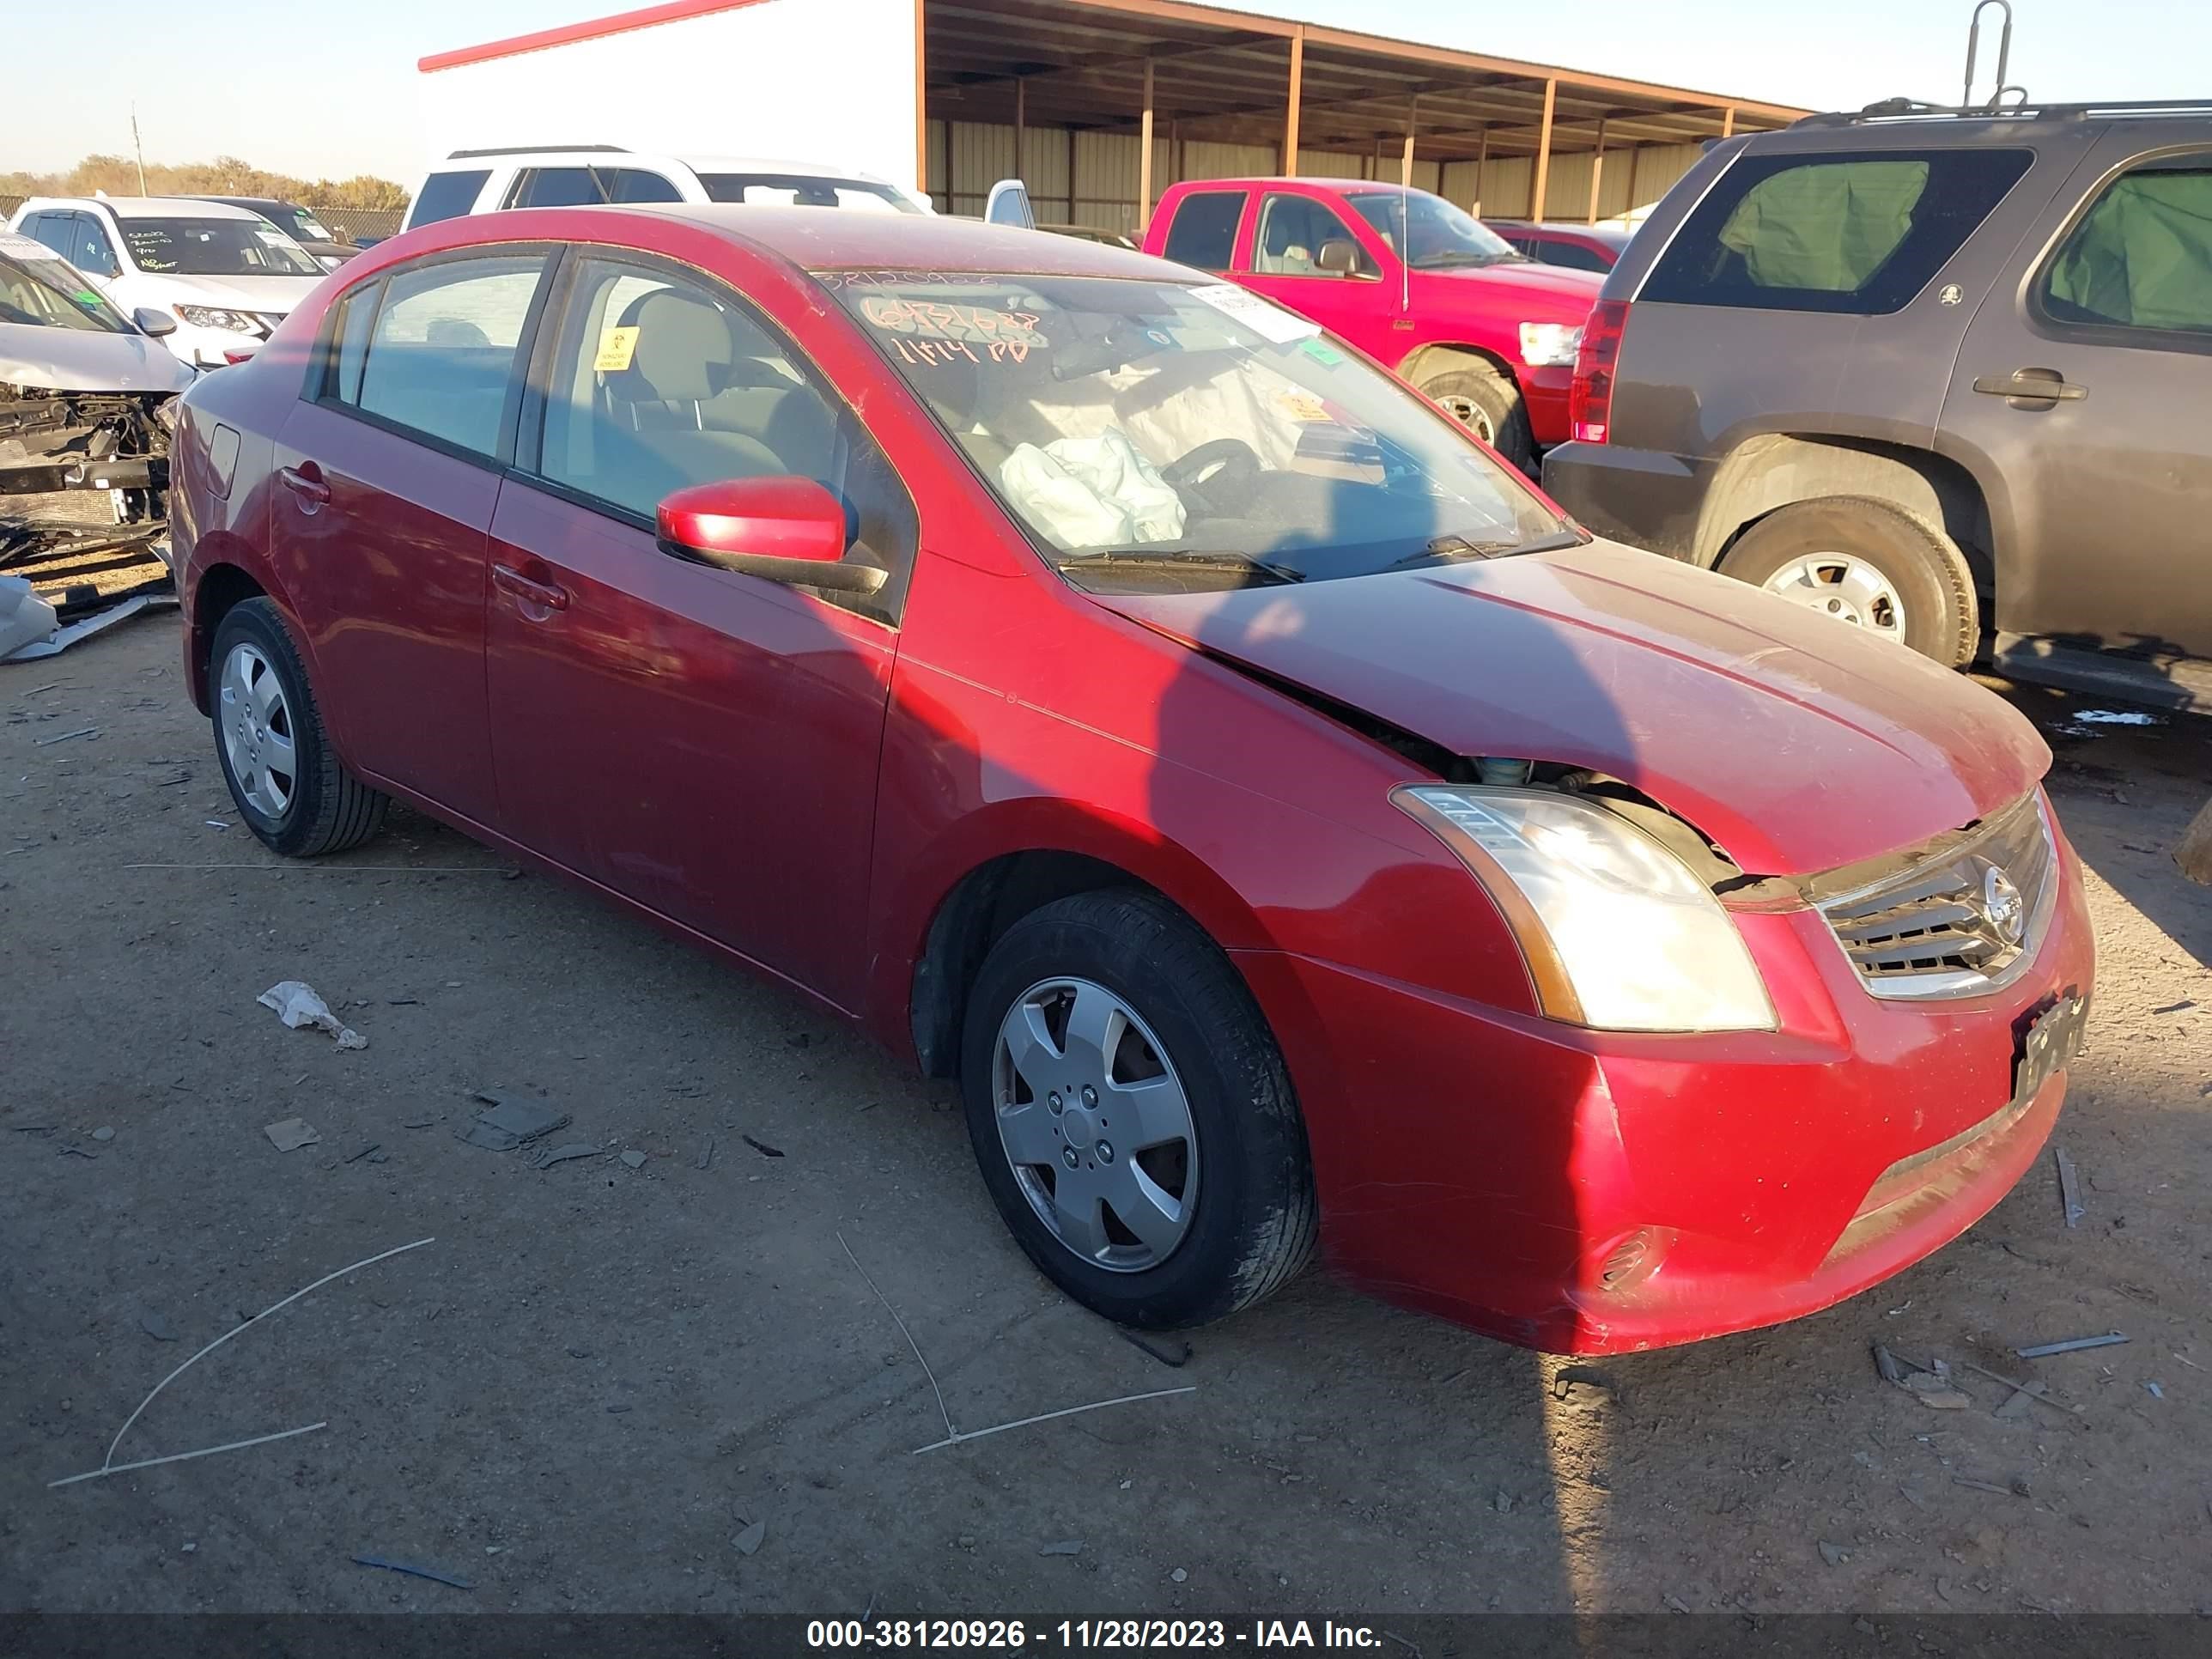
x,y
224,176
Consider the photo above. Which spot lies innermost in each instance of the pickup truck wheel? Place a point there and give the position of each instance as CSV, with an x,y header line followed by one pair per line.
x,y
1132,1116
285,779
1864,560
1488,404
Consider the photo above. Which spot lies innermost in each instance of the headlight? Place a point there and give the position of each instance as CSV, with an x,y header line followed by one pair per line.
x,y
1546,345
1617,933
237,322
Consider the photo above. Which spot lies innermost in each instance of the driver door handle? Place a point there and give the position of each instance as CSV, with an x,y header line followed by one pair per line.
x,y
547,595
2042,386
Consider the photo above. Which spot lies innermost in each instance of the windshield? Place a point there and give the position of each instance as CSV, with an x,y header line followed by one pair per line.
x,y
305,226
1155,437
44,293
801,190
215,247
1440,235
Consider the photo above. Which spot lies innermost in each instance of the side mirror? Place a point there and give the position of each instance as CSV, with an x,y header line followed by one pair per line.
x,y
152,320
779,529
1008,204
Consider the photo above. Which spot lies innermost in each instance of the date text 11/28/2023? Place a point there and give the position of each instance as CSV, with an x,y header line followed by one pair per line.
x,y
1139,1635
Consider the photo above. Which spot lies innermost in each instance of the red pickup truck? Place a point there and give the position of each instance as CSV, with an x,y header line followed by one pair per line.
x,y
1487,333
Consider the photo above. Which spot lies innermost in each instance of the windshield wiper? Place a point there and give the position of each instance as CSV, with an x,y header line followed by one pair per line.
x,y
1146,558
1451,549
1452,257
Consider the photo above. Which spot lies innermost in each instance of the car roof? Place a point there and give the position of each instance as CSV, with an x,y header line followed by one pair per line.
x,y
823,239
619,158
145,207
249,203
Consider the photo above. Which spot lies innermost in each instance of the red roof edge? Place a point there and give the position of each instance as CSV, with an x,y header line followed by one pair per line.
x,y
670,11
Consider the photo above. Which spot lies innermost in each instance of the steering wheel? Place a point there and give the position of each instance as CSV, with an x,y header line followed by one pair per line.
x,y
1216,480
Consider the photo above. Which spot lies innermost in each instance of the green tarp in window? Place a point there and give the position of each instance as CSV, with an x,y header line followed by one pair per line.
x,y
1827,226
2142,256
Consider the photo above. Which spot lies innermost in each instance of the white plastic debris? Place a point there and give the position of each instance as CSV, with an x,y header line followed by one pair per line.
x,y
297,1005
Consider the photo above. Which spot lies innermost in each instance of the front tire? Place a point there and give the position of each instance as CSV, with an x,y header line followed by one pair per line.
x,y
285,778
1482,400
1132,1116
1864,560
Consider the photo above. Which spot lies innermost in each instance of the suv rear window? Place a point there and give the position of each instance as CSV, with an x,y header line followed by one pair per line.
x,y
446,196
1859,233
1204,229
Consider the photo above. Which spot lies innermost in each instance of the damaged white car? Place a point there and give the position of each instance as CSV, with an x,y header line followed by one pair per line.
x,y
87,403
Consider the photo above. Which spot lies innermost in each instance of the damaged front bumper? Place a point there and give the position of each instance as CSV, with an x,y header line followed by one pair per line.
x,y
1583,1192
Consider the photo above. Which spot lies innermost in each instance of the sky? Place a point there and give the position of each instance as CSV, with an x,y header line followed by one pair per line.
x,y
333,94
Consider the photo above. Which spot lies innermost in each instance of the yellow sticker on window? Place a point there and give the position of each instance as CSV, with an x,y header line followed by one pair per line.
x,y
616,346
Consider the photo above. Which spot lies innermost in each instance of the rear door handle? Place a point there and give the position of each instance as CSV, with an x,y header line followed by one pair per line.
x,y
548,595
2041,386
305,481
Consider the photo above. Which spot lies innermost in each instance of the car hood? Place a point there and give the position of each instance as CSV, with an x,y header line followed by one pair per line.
x,y
1569,293
79,360
276,294
1798,744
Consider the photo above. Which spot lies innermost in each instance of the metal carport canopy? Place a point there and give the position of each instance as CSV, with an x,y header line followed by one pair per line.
x,y
1242,77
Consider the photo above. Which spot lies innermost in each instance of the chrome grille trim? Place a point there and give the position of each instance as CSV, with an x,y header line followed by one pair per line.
x,y
1936,930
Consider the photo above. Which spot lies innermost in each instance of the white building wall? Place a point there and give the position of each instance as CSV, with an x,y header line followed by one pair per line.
x,y
756,80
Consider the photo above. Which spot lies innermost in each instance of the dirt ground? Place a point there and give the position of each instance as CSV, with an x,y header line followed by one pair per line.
x,y
668,1388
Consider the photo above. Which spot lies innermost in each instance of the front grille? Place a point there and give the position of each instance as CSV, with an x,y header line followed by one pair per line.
x,y
1955,923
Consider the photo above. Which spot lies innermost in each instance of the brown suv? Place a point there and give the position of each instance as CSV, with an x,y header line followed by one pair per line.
x,y
1946,375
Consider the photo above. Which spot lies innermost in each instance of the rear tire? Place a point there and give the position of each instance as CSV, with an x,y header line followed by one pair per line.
x,y
1482,400
285,778
1865,560
1240,1174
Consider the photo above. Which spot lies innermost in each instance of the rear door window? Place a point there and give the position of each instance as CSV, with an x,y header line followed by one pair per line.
x,y
1859,233
1203,232
447,196
2141,257
588,186
439,358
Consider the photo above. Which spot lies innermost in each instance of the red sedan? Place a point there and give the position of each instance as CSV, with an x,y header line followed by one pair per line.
x,y
1100,685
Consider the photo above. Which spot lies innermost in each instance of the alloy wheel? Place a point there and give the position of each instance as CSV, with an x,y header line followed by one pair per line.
x,y
1095,1123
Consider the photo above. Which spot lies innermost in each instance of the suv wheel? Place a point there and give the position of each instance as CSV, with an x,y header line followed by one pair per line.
x,y
1865,562
1131,1115
285,779
1487,403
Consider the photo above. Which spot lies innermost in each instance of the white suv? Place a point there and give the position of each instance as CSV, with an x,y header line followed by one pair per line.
x,y
228,276
486,180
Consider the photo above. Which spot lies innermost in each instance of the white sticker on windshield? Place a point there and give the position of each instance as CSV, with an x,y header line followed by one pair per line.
x,y
1269,321
17,246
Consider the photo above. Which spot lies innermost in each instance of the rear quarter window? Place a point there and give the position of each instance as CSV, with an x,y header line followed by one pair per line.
x,y
1859,233
1203,232
446,196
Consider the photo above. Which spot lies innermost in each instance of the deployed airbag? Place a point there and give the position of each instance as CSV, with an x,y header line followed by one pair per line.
x,y
1092,492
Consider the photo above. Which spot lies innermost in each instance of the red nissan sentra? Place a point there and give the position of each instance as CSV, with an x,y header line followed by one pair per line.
x,y
1106,689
